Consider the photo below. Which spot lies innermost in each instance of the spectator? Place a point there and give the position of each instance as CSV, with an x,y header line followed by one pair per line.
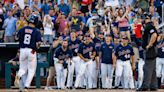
x,y
26,12
140,13
10,27
85,6
123,24
1,22
158,5
46,7
21,22
143,4
36,6
16,10
7,6
48,27
65,1
64,7
75,21
153,12
63,23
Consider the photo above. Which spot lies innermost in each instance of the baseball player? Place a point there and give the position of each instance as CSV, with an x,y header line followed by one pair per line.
x,y
124,54
62,57
107,62
75,64
29,41
160,59
51,71
96,64
140,66
86,52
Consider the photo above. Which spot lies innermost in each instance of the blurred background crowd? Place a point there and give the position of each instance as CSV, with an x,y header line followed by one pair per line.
x,y
57,18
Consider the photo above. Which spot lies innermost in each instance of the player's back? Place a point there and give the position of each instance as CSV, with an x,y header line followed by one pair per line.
x,y
28,37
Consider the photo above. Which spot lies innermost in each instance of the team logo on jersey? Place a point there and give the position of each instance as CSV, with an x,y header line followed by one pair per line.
x,y
98,44
89,49
63,56
73,46
123,52
110,47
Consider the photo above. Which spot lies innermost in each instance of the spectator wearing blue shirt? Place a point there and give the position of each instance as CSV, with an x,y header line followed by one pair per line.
x,y
46,7
7,6
36,6
64,7
10,27
158,4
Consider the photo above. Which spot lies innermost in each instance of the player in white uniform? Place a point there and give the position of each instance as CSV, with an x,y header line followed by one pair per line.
x,y
75,64
108,62
125,56
86,52
29,41
160,59
141,63
62,57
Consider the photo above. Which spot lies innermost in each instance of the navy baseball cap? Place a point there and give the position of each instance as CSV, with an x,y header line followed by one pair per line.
x,y
101,33
108,35
147,15
94,11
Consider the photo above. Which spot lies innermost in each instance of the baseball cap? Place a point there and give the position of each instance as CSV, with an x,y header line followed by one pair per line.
x,y
108,35
147,15
33,19
133,14
94,11
101,33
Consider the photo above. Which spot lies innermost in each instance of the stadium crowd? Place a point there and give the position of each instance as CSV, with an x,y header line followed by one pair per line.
x,y
65,19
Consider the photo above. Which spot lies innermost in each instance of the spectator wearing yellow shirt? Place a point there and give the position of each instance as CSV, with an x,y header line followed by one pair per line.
x,y
21,22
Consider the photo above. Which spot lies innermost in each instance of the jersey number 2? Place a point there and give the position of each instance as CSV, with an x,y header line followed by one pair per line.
x,y
27,39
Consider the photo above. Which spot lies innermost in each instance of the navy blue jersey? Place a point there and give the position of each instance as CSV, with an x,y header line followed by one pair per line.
x,y
160,46
124,52
86,49
28,37
98,43
73,45
63,55
115,46
107,50
141,52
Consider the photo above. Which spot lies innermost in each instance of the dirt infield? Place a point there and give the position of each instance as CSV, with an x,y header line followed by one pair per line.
x,y
98,90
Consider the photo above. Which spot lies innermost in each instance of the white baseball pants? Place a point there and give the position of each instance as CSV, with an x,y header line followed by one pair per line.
x,y
107,75
28,64
124,67
85,68
160,68
140,72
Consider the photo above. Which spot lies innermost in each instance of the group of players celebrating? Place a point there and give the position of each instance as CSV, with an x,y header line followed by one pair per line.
x,y
89,57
